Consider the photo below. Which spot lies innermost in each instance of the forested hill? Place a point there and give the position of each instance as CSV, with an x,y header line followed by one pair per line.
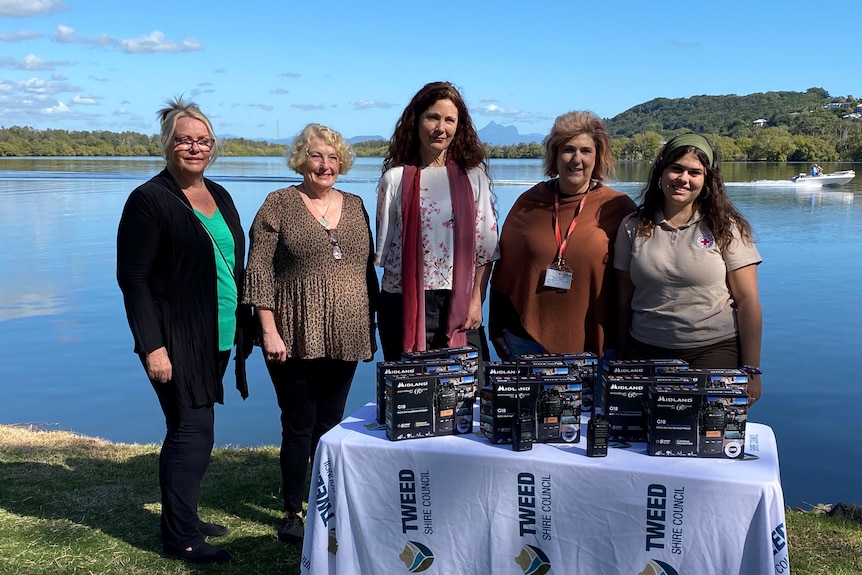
x,y
813,112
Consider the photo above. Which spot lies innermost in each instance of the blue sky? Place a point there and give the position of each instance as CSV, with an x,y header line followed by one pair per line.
x,y
264,69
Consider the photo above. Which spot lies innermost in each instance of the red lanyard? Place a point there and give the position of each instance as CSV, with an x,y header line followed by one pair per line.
x,y
562,242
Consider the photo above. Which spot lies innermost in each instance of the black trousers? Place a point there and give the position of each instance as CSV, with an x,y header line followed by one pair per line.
x,y
183,461
390,327
311,394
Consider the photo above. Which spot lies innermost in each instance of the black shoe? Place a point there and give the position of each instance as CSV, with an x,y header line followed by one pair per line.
x,y
200,553
291,529
212,529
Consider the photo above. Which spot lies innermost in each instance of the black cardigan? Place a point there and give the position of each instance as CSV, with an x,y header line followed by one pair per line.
x,y
167,273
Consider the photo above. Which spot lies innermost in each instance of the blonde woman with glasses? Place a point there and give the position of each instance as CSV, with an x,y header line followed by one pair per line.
x,y
180,254
311,277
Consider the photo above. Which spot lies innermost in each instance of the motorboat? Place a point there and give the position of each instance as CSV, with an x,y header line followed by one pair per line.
x,y
838,178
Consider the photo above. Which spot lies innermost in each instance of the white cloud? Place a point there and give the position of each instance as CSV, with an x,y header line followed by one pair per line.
x,y
289,75
59,109
32,62
23,8
40,86
19,36
66,35
155,42
308,107
85,100
279,91
510,113
368,104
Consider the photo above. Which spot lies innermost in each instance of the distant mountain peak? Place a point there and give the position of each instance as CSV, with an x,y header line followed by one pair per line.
x,y
499,135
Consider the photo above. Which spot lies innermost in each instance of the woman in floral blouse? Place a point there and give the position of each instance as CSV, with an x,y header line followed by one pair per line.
x,y
436,227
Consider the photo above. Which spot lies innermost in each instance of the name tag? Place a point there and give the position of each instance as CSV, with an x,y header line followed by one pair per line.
x,y
558,279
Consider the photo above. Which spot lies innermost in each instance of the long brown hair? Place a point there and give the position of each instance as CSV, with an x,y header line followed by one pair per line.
x,y
404,147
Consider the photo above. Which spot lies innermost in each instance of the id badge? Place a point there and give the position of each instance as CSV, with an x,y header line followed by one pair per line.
x,y
558,277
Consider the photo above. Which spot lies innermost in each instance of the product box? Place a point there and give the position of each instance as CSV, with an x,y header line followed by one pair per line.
x,y
584,364
623,400
558,409
467,355
387,368
646,367
723,415
690,378
504,369
454,397
499,402
672,420
696,422
727,378
410,406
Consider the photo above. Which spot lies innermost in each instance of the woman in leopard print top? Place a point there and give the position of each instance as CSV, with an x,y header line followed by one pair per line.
x,y
312,279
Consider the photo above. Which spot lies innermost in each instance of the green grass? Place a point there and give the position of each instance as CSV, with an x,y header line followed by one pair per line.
x,y
76,505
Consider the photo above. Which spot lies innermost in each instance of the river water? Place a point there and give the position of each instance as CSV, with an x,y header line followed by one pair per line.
x,y
66,358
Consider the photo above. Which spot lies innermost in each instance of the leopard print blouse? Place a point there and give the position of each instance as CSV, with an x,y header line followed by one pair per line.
x,y
320,304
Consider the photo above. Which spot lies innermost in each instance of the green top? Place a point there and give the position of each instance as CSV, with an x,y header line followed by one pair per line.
x,y
223,247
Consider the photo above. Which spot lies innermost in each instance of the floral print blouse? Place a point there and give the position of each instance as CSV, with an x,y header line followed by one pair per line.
x,y
437,226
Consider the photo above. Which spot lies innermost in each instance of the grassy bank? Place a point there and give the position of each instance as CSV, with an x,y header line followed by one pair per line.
x,y
77,505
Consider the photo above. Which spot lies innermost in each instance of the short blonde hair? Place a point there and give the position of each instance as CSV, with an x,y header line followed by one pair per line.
x,y
298,152
174,110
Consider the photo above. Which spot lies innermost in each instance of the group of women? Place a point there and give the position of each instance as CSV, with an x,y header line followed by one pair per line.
x,y
576,267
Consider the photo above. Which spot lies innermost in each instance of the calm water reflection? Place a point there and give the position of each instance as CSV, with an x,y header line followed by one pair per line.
x,y
66,354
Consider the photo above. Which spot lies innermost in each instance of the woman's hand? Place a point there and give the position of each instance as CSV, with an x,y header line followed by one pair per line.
x,y
159,367
755,388
273,347
474,315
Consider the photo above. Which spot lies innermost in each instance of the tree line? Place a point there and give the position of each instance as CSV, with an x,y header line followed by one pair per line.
x,y
797,126
25,142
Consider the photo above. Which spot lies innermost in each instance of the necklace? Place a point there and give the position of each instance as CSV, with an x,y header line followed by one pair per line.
x,y
322,217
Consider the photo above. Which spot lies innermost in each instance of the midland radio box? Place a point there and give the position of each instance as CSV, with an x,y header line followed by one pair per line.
x,y
697,422
623,400
499,403
646,367
410,406
584,365
558,409
387,368
454,396
467,356
672,420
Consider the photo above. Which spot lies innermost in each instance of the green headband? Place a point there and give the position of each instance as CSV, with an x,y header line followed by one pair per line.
x,y
692,139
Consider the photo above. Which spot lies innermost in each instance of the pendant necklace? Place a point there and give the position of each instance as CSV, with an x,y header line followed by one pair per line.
x,y
322,219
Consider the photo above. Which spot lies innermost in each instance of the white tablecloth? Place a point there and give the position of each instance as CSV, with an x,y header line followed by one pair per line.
x,y
459,505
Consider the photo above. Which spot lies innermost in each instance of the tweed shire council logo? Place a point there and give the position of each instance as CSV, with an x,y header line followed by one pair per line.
x,y
533,560
656,567
416,556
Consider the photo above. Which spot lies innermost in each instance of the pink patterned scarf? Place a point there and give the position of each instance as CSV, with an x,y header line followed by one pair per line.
x,y
464,249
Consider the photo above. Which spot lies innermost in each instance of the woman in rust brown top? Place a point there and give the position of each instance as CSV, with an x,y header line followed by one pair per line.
x,y
311,276
552,288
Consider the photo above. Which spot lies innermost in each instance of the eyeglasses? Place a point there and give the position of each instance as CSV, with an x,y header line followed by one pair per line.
x,y
333,239
186,143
